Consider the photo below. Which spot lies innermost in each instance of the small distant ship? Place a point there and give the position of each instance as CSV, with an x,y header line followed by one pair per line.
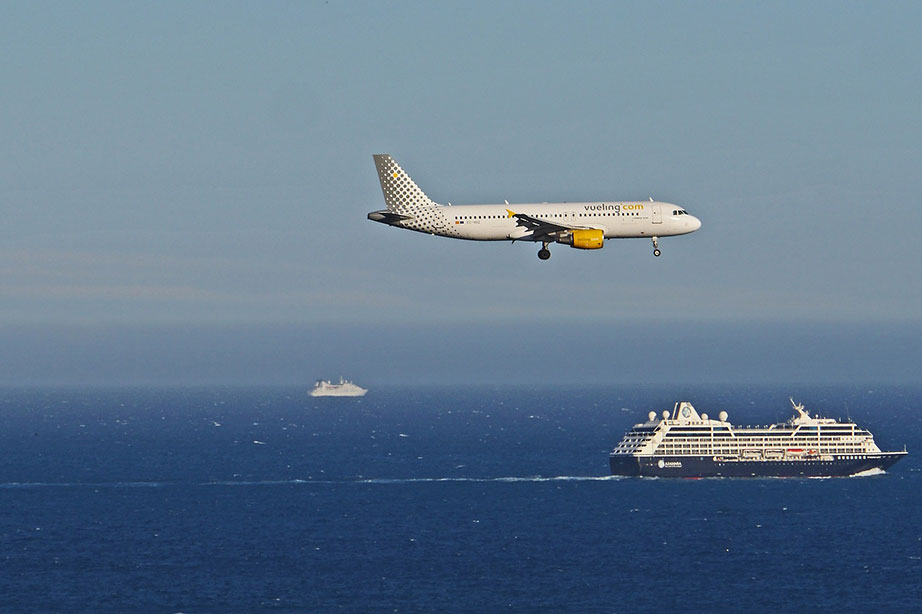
x,y
345,388
688,444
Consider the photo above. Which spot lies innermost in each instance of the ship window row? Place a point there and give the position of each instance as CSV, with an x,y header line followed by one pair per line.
x,y
750,433
757,452
785,438
805,437
697,435
811,430
780,439
774,429
750,444
830,449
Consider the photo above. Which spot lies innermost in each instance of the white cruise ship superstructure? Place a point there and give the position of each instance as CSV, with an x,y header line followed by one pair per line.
x,y
684,443
345,388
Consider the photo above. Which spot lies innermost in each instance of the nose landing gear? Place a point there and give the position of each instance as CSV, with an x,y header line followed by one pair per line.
x,y
544,253
656,251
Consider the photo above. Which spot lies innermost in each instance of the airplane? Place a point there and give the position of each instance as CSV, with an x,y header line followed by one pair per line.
x,y
579,225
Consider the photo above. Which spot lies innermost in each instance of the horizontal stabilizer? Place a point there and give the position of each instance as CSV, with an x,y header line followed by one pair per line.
x,y
388,217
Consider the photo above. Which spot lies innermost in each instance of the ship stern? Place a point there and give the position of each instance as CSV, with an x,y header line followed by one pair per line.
x,y
624,464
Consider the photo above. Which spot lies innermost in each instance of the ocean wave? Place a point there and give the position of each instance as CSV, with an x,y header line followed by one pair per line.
x,y
82,484
533,478
298,481
363,480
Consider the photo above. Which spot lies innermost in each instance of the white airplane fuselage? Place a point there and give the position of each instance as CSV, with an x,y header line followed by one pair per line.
x,y
582,225
617,220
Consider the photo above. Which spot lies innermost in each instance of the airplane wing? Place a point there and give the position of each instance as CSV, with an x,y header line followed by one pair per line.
x,y
540,229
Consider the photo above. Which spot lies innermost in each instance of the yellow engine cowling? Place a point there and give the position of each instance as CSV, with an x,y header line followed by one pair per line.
x,y
591,238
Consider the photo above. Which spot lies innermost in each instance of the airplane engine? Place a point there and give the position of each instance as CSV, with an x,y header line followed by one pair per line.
x,y
591,238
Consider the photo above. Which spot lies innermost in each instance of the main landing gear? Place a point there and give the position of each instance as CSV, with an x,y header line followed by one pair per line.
x,y
656,251
544,253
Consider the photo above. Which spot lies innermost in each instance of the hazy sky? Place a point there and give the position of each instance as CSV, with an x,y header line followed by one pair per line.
x,y
209,164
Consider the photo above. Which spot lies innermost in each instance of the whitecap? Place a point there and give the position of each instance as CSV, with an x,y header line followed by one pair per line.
x,y
868,473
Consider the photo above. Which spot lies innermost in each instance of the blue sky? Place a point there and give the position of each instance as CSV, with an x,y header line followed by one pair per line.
x,y
209,164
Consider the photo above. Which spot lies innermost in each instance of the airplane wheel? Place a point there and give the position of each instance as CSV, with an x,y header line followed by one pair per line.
x,y
544,254
656,252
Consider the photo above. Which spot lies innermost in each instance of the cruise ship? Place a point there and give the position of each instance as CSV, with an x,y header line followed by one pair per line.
x,y
686,444
345,388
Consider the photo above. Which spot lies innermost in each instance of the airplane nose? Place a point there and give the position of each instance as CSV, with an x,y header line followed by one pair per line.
x,y
694,223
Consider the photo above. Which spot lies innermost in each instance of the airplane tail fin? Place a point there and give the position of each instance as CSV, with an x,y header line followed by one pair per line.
x,y
401,194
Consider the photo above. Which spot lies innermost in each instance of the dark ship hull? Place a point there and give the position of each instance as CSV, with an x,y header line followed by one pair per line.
x,y
715,467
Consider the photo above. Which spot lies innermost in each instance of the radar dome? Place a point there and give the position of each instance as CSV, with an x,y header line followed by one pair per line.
x,y
665,415
723,416
704,416
651,416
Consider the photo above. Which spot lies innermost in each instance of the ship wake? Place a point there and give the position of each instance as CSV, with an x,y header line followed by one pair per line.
x,y
297,481
534,478
868,473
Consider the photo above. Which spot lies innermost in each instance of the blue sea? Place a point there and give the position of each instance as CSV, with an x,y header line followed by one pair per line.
x,y
436,499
